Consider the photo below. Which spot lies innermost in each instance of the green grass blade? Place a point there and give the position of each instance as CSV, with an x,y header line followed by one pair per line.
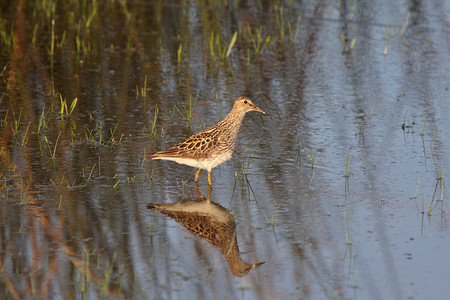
x,y
232,42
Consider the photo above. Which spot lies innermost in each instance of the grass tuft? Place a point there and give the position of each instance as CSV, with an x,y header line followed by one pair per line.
x,y
258,42
154,121
66,110
232,42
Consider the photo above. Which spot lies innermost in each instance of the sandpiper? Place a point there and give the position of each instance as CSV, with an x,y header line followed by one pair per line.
x,y
212,146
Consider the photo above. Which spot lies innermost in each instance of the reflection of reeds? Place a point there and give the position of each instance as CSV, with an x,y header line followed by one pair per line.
x,y
271,221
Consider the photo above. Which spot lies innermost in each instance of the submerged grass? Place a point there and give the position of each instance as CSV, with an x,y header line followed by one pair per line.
x,y
7,35
43,120
394,32
271,221
294,33
187,114
23,193
347,164
24,139
232,42
97,137
15,125
143,91
258,41
108,275
440,176
363,123
216,47
90,174
245,165
439,173
348,235
344,43
279,17
310,182
65,110
424,122
52,152
180,50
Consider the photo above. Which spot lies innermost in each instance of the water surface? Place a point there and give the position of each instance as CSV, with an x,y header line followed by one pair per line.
x,y
340,192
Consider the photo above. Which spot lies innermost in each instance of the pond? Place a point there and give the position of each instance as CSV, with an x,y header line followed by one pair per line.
x,y
339,193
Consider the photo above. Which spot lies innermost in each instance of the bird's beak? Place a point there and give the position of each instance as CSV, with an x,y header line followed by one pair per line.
x,y
255,108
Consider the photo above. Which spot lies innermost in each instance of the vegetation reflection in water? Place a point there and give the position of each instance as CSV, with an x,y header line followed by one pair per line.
x,y
349,204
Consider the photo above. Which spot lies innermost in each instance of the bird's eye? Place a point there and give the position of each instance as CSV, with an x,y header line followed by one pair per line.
x,y
245,101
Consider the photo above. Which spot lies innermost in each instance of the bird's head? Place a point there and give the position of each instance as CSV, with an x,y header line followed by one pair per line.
x,y
244,104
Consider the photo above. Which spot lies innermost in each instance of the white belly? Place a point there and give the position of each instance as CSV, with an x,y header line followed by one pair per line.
x,y
207,164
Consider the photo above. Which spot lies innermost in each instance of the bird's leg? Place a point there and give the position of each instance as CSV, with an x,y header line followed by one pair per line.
x,y
197,190
196,175
209,193
209,178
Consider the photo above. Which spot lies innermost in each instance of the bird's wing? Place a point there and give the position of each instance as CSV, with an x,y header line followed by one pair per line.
x,y
198,145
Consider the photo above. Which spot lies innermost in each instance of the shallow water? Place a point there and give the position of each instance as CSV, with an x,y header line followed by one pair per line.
x,y
340,192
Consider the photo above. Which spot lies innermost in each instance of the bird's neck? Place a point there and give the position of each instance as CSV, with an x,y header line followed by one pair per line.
x,y
234,119
230,126
234,116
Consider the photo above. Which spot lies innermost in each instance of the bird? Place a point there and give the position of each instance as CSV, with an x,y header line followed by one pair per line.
x,y
212,146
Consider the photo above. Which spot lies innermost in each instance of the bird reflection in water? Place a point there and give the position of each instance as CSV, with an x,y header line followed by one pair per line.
x,y
211,222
